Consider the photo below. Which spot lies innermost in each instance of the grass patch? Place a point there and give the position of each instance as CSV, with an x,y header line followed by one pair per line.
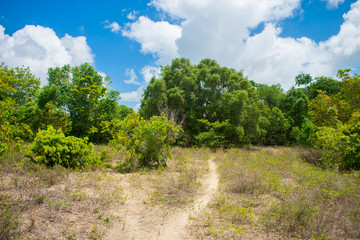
x,y
273,192
9,218
177,184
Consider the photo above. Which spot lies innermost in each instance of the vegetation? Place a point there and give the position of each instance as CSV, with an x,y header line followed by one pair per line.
x,y
147,142
49,160
51,147
265,192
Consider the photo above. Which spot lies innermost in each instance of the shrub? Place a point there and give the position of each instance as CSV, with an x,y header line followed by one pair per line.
x,y
52,147
219,134
147,142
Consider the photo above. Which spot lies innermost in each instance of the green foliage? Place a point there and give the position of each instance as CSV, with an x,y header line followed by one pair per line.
x,y
352,151
85,93
333,142
329,85
193,94
11,132
277,128
303,79
80,92
350,89
56,117
147,142
18,89
18,84
51,147
272,95
296,106
154,98
324,110
218,134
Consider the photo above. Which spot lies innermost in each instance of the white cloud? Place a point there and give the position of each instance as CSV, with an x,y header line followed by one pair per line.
x,y
150,71
221,30
156,38
333,3
133,77
133,96
40,48
114,26
268,58
137,106
132,15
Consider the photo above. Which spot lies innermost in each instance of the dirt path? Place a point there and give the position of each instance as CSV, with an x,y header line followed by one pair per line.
x,y
143,222
176,226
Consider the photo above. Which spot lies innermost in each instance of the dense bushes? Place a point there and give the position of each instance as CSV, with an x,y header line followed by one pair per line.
x,y
216,106
52,147
147,142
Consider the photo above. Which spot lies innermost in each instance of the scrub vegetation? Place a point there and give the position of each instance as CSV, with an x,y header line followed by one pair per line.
x,y
74,164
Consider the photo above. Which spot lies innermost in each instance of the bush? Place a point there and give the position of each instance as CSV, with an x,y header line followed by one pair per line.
x,y
52,147
147,142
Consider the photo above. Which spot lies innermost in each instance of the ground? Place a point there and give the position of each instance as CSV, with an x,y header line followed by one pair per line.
x,y
258,193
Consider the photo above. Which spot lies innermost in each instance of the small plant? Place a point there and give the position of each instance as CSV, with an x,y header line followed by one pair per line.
x,y
40,199
96,233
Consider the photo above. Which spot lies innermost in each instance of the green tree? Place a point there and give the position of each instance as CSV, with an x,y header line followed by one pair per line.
x,y
18,89
277,128
18,84
295,105
203,94
154,98
324,111
350,89
80,92
329,85
303,79
272,95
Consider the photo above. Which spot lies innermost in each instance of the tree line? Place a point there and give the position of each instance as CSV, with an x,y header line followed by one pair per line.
x,y
203,105
220,107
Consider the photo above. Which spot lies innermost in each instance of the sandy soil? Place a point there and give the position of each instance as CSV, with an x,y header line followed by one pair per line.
x,y
140,221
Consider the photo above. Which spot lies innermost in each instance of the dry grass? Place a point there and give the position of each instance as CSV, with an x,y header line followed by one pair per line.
x,y
178,184
272,193
265,193
56,203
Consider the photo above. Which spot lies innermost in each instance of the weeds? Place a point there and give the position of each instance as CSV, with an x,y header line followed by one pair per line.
x,y
278,190
178,184
9,218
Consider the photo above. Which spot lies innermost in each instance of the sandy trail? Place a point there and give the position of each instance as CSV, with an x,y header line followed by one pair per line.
x,y
176,226
144,223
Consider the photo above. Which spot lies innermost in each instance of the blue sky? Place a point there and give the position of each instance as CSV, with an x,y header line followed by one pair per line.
x,y
271,41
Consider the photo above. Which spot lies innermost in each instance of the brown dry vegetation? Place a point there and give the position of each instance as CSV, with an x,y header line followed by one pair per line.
x,y
54,203
264,193
271,193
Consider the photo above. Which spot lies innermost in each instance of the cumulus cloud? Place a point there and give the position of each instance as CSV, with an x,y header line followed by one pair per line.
x,y
150,71
222,30
40,48
132,15
133,77
133,96
147,73
157,38
114,26
333,3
